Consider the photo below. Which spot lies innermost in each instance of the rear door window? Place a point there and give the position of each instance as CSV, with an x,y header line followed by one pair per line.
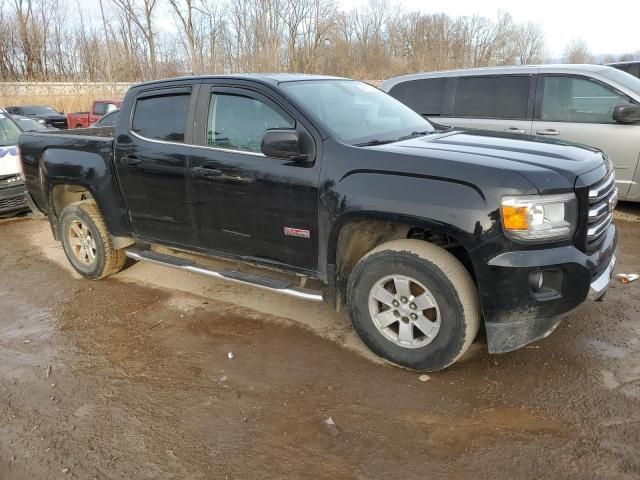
x,y
425,96
504,96
162,117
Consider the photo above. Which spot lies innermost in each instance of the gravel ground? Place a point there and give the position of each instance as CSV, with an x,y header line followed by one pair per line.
x,y
130,377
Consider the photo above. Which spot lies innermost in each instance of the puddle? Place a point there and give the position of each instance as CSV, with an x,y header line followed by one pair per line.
x,y
607,350
24,333
189,292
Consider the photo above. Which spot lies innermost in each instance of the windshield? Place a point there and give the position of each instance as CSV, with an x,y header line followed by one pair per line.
x,y
29,125
39,111
356,112
623,78
9,131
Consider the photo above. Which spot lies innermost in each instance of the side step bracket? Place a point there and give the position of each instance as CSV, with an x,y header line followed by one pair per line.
x,y
257,281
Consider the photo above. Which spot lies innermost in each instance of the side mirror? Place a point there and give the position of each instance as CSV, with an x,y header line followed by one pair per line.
x,y
627,113
282,144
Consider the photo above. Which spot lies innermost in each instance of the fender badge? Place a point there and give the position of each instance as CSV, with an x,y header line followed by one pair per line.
x,y
297,232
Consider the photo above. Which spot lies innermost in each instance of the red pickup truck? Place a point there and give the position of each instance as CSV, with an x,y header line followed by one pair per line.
x,y
99,108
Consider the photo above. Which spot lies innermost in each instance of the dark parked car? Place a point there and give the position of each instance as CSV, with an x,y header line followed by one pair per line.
x,y
44,114
28,124
109,120
632,68
420,232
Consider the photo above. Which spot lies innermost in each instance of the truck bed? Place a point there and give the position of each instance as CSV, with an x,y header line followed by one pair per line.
x,y
61,153
102,132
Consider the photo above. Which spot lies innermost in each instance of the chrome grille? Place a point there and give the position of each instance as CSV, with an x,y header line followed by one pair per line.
x,y
603,198
13,203
9,180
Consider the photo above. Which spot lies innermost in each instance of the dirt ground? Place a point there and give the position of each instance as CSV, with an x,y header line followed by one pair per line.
x,y
130,377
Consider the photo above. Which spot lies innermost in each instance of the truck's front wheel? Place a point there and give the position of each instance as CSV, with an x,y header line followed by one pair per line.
x,y
87,243
414,304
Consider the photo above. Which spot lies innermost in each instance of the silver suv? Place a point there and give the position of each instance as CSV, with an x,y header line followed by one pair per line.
x,y
589,104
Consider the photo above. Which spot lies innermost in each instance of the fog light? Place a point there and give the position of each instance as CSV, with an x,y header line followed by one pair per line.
x,y
536,279
546,284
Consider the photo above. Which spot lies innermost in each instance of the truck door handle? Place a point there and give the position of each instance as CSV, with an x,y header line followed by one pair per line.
x,y
207,172
548,131
132,160
515,130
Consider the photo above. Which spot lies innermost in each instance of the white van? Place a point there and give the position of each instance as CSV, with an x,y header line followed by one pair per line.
x,y
12,189
594,105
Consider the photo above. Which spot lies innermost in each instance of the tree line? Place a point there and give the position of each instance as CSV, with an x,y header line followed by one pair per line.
x,y
135,40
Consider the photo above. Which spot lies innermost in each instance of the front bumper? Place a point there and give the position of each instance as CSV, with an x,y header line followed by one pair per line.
x,y
12,199
517,312
600,285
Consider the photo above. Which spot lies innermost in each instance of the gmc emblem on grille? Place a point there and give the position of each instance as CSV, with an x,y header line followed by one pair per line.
x,y
297,232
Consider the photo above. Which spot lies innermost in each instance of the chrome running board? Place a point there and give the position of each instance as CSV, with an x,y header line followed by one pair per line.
x,y
257,281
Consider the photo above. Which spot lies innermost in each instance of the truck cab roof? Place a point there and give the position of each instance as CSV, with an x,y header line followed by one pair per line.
x,y
271,78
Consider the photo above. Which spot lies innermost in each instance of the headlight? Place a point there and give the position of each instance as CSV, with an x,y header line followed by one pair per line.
x,y
539,217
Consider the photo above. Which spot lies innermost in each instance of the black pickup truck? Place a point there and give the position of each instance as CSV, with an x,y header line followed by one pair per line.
x,y
422,233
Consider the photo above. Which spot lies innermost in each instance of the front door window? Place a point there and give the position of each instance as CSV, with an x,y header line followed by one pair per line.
x,y
577,100
238,123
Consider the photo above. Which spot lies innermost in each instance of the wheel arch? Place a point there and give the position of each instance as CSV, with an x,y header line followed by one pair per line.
x,y
70,175
353,236
62,194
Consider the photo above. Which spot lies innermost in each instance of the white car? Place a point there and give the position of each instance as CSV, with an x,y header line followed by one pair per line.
x,y
593,105
12,189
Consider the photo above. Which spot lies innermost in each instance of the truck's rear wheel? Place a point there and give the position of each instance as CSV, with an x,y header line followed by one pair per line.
x,y
86,241
414,304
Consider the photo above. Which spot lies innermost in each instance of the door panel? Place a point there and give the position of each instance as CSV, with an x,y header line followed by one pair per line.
x,y
244,200
522,127
578,109
620,142
152,160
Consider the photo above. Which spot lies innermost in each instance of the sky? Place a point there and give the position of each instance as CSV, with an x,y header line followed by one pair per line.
x,y
608,27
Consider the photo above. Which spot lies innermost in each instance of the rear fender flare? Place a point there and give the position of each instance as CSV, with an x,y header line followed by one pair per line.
x,y
87,171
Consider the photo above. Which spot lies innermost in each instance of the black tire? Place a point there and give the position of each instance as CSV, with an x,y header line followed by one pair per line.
x,y
448,282
107,260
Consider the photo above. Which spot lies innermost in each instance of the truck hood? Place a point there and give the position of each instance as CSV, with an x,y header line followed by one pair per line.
x,y
547,164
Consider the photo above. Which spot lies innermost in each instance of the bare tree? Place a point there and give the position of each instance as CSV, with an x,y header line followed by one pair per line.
x,y
140,13
186,12
528,42
124,39
578,52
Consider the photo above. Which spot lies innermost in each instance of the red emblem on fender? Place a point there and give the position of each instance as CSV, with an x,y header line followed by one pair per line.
x,y
297,232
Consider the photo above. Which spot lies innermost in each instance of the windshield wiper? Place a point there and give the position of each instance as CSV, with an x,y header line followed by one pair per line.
x,y
414,134
375,141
